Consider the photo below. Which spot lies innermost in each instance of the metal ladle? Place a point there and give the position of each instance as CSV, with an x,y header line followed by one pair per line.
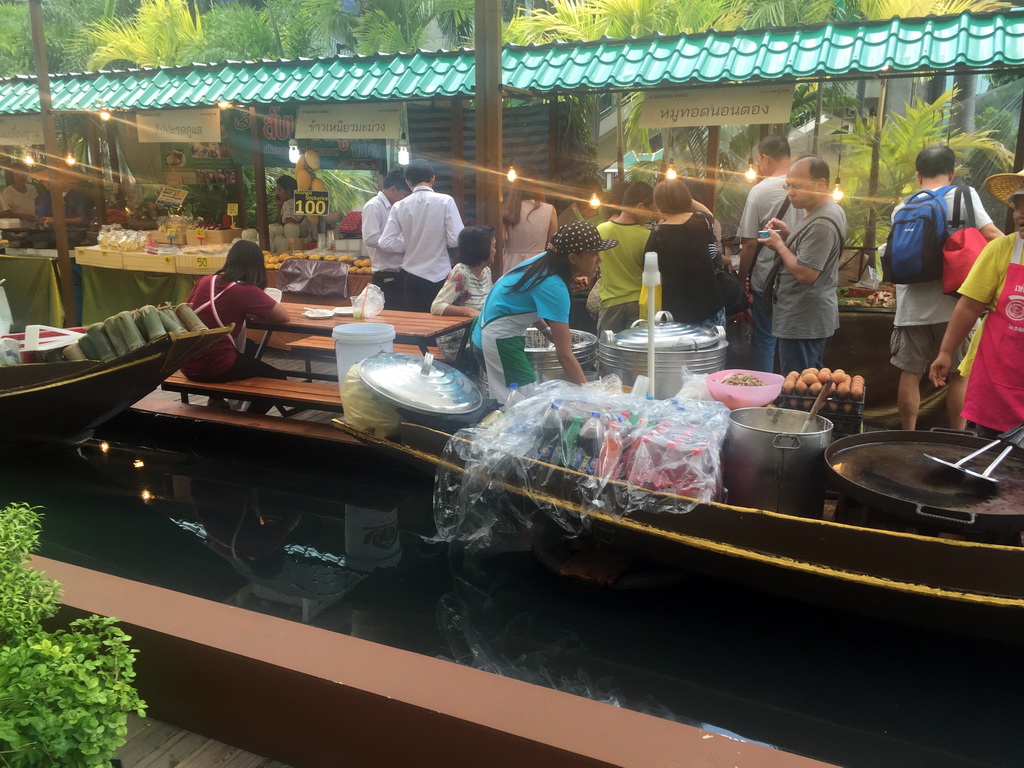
x,y
1010,438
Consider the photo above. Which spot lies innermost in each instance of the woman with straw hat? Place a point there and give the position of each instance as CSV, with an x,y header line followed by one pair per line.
x,y
995,387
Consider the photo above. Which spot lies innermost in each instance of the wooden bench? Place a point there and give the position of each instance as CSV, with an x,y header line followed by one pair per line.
x,y
313,348
297,395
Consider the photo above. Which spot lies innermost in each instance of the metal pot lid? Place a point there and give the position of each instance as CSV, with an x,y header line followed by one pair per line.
x,y
668,335
420,384
536,341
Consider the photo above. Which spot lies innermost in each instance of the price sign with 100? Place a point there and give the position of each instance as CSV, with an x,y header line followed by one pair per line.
x,y
310,202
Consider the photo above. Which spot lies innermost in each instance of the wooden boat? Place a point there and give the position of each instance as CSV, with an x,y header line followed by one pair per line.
x,y
64,401
965,587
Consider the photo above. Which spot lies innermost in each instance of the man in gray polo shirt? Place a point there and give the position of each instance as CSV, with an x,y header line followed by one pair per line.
x,y
805,311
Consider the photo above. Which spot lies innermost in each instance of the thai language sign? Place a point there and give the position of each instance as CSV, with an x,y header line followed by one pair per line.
x,y
728,105
179,125
348,121
21,130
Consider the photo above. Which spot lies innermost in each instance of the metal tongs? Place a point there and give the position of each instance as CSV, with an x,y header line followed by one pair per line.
x,y
1010,439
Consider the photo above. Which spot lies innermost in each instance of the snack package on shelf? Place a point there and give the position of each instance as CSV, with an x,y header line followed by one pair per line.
x,y
573,450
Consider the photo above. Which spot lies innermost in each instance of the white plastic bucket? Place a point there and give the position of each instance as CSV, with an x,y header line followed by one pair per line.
x,y
355,342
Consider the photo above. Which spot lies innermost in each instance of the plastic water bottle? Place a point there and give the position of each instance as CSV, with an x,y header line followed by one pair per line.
x,y
550,435
588,446
609,465
514,397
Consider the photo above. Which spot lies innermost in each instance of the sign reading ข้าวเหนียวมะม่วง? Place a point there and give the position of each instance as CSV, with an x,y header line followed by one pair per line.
x,y
734,105
348,121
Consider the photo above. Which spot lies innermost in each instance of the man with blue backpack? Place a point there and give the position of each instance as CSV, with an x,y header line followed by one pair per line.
x,y
913,260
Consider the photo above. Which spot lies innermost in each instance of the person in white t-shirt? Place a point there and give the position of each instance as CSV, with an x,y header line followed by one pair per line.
x,y
763,203
923,310
19,198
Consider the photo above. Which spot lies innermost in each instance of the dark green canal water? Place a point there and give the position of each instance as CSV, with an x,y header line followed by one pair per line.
x,y
274,538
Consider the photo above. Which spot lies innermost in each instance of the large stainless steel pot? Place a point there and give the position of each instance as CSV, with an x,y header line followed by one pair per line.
x,y
769,463
676,344
542,356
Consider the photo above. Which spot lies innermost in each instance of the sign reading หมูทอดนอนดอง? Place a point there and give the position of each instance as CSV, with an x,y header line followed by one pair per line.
x,y
348,121
178,125
735,105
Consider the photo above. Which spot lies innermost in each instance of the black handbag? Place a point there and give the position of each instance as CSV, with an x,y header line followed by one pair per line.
x,y
734,293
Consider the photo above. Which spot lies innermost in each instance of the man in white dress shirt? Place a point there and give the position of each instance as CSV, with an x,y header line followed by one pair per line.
x,y
387,266
423,226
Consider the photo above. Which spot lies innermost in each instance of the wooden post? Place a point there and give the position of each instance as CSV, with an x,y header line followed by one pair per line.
x,y
489,140
115,165
817,116
95,163
620,162
1018,162
765,129
53,156
870,228
259,173
243,219
553,130
459,153
711,172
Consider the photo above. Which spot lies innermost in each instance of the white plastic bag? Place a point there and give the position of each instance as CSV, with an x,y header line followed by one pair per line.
x,y
6,318
695,386
365,410
369,303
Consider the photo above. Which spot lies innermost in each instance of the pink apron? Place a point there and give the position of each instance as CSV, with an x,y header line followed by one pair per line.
x,y
995,389
238,337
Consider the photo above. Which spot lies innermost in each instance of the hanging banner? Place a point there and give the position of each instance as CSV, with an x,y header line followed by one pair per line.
x,y
197,163
348,121
21,129
277,128
179,125
728,105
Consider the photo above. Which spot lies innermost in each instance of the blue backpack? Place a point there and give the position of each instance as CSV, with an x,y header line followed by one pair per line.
x,y
913,252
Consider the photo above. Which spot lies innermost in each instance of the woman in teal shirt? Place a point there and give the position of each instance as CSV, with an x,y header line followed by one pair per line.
x,y
536,293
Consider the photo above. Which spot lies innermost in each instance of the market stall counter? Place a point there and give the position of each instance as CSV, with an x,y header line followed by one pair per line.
x,y
32,290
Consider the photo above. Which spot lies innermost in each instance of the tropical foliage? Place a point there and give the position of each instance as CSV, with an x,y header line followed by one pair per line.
x,y
902,137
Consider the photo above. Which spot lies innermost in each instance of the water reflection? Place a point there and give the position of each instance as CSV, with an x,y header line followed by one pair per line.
x,y
821,683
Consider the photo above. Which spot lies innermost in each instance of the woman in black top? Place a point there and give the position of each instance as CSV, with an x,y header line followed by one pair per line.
x,y
689,289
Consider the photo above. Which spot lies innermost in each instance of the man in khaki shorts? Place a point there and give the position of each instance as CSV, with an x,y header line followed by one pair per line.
x,y
923,310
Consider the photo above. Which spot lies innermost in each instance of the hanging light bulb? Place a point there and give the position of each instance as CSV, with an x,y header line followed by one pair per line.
x,y
671,174
837,192
293,151
751,174
70,159
104,114
595,201
224,104
512,175
28,159
146,495
403,150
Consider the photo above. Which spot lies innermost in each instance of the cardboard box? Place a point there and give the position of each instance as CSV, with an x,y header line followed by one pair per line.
x,y
162,237
148,262
199,263
213,236
94,256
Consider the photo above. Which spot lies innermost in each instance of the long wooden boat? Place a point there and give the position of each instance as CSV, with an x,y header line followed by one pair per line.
x,y
65,401
965,587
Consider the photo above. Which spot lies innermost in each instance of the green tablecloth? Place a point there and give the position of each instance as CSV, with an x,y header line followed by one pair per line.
x,y
106,292
32,291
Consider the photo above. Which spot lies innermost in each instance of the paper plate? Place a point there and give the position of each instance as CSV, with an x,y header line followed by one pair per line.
x,y
343,310
318,314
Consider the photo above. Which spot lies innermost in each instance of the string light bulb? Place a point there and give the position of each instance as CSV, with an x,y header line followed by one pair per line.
x,y
837,192
146,495
671,174
293,151
751,174
104,114
70,159
595,201
224,104
512,175
104,447
138,463
403,150
28,159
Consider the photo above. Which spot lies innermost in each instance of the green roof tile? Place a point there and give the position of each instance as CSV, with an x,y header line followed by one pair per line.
x,y
901,45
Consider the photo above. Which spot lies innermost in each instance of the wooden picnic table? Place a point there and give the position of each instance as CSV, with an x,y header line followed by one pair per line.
x,y
419,328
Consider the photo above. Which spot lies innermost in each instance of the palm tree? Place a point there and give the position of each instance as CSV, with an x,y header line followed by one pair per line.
x,y
162,32
402,26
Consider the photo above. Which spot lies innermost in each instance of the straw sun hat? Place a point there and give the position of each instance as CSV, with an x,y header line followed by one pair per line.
x,y
1003,185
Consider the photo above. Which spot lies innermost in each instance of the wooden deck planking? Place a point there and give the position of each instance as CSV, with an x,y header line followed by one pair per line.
x,y
154,744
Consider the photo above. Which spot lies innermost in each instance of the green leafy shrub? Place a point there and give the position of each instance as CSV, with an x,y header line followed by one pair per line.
x,y
65,696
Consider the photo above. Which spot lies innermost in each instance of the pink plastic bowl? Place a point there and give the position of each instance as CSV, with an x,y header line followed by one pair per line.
x,y
734,396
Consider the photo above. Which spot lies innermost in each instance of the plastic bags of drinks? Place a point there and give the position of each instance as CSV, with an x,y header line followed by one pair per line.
x,y
576,454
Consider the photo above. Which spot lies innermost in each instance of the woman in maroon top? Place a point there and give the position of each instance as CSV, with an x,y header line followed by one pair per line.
x,y
233,294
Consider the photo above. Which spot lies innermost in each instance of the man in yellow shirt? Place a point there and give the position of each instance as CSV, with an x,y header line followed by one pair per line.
x,y
622,266
995,390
